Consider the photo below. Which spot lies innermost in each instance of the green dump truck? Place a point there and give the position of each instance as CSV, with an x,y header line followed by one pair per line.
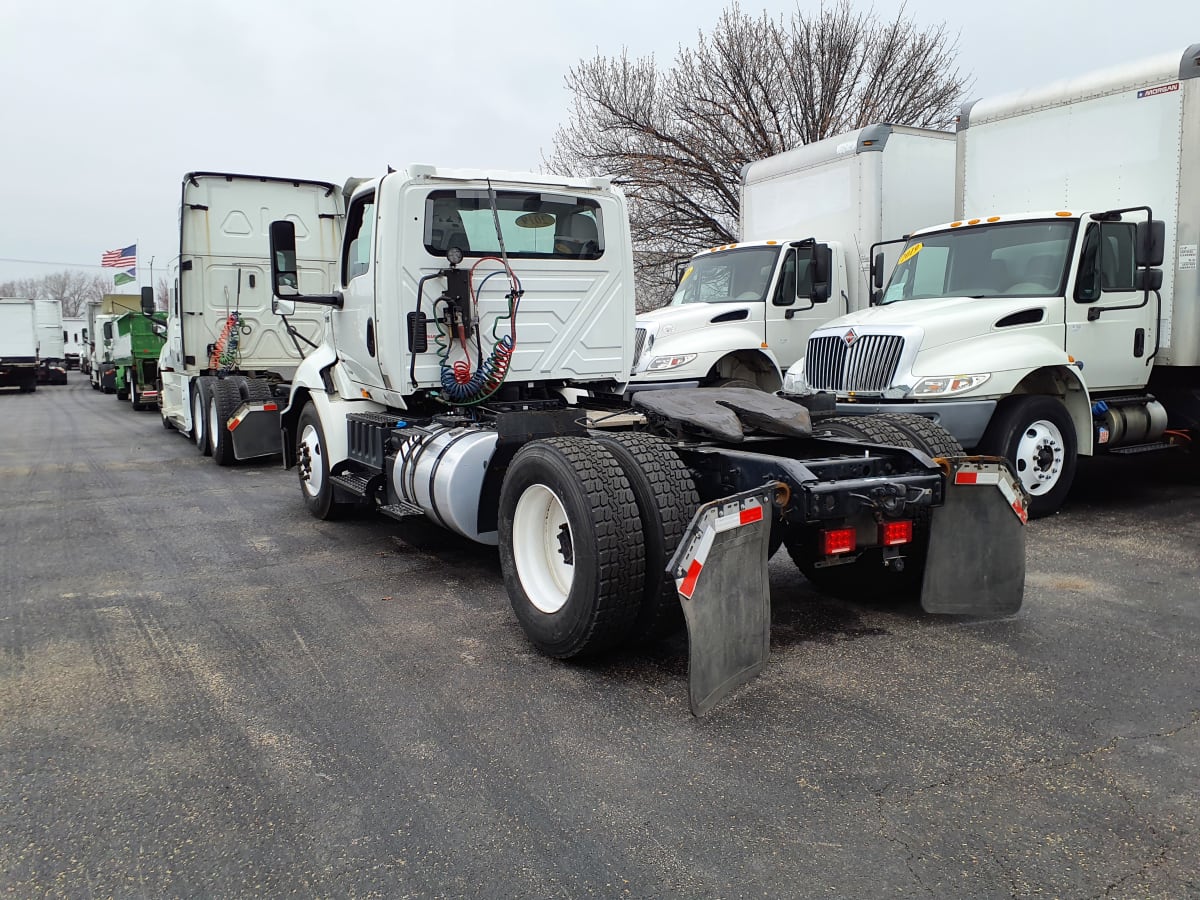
x,y
138,338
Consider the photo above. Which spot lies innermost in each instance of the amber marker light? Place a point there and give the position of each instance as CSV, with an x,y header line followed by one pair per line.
x,y
973,222
955,224
1062,213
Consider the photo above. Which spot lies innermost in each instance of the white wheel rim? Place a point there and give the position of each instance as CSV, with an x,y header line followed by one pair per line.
x,y
540,535
214,427
198,420
1040,456
314,480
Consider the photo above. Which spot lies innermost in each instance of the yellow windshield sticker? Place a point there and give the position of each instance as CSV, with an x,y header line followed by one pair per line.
x,y
686,273
909,253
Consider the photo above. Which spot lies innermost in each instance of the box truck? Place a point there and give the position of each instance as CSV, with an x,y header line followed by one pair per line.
x,y
18,344
223,344
1059,314
52,366
481,334
741,313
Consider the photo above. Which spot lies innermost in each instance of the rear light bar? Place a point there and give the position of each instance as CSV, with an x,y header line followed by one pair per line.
x,y
892,534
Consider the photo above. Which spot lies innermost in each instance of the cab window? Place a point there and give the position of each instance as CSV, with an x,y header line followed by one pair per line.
x,y
360,224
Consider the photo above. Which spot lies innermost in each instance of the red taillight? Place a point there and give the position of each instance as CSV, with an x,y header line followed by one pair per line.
x,y
269,407
838,540
893,533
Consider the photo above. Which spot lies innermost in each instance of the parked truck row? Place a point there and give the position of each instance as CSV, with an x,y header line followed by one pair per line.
x,y
456,346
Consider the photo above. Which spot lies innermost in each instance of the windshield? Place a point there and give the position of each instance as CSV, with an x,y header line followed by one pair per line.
x,y
727,276
1026,259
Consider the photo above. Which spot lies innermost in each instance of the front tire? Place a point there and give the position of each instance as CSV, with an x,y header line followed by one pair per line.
x,y
312,464
1036,434
571,546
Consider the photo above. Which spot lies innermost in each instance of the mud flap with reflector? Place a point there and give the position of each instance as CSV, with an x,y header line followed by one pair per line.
x,y
254,428
976,560
720,569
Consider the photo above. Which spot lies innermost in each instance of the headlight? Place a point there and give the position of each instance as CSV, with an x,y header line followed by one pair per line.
x,y
944,385
669,362
793,380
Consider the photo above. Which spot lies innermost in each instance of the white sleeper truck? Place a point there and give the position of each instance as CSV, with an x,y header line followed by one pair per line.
x,y
472,309
1059,315
18,344
741,313
224,346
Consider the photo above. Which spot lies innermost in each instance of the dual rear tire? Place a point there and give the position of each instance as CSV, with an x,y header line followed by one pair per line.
x,y
586,527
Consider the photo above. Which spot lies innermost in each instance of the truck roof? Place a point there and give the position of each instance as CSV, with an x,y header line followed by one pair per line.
x,y
541,179
1164,70
990,218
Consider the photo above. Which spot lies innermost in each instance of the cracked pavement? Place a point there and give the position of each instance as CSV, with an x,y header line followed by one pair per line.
x,y
205,692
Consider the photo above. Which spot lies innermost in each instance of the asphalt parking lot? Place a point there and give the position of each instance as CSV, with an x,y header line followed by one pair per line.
x,y
204,692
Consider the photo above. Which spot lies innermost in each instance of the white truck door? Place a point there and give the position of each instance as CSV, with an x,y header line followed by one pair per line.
x,y
1109,327
354,325
791,314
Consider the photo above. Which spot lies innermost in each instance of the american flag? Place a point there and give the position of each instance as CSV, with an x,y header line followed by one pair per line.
x,y
120,258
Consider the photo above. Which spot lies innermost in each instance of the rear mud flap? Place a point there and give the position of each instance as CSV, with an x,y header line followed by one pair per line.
x,y
254,428
976,560
720,569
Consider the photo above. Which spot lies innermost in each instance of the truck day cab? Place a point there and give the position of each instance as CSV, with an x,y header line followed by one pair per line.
x,y
472,374
1044,335
742,313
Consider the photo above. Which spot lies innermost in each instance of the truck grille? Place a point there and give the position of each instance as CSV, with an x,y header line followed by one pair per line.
x,y
639,340
868,364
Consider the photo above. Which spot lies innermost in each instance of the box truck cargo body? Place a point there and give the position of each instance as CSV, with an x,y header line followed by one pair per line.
x,y
18,344
808,219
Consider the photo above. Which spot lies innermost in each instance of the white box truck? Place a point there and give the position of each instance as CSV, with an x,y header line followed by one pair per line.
x,y
224,345
475,311
18,344
1044,323
74,341
743,312
52,368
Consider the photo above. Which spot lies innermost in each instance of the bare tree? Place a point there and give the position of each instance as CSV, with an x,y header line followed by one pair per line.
x,y
71,288
677,139
74,289
162,293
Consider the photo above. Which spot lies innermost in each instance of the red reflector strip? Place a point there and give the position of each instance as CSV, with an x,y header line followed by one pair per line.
x,y
753,514
965,477
688,587
893,533
149,393
838,540
269,407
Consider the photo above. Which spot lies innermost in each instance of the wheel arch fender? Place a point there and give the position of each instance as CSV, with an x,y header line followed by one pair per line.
x,y
332,411
761,362
1067,384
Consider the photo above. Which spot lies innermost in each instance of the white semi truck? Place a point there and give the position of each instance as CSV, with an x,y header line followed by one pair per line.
x,y
224,346
1072,329
473,308
52,367
74,341
743,312
18,344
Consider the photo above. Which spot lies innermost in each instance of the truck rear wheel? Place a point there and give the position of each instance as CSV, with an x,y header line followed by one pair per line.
x,y
571,546
225,398
200,396
1036,434
667,499
312,464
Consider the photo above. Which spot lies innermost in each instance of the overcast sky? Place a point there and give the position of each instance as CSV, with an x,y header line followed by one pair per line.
x,y
107,104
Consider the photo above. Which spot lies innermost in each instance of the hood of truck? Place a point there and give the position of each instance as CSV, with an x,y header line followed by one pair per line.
x,y
680,319
945,320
